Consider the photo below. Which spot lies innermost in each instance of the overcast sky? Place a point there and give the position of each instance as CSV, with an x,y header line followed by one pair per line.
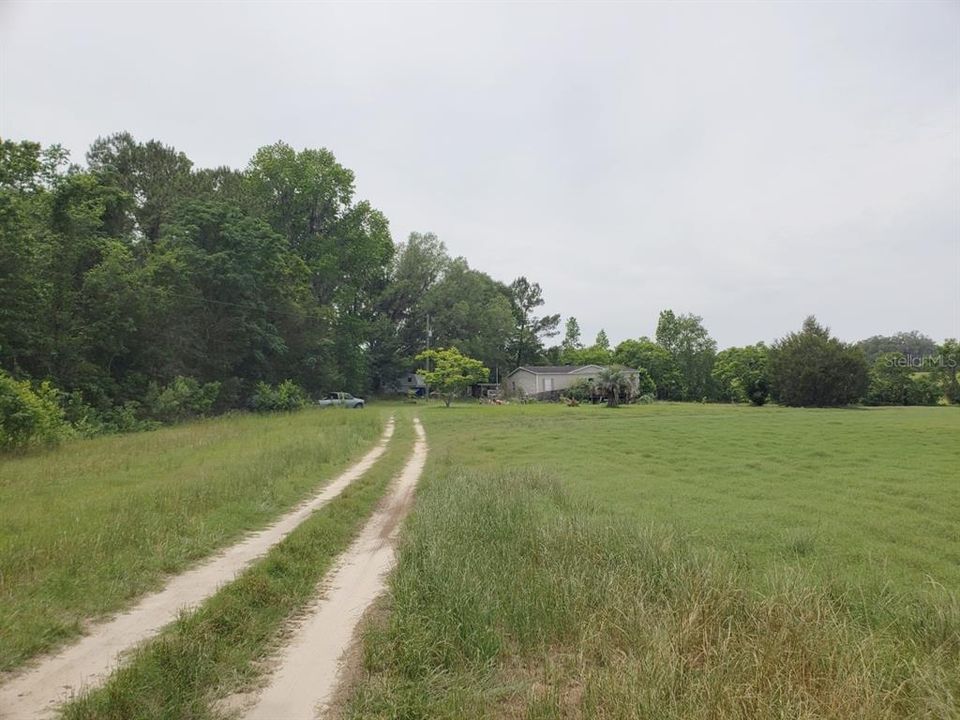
x,y
750,163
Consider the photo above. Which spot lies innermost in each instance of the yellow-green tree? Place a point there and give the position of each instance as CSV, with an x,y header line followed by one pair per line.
x,y
452,372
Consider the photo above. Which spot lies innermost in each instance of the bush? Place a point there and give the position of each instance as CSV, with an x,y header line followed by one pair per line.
x,y
30,417
892,382
85,419
646,399
581,390
645,383
285,397
924,390
182,399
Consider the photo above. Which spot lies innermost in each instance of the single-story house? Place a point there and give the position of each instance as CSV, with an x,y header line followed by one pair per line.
x,y
540,379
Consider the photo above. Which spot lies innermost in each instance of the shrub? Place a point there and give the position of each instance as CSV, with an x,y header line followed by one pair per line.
x,y
581,390
85,419
127,418
645,383
740,374
924,390
892,382
29,417
181,399
646,399
285,397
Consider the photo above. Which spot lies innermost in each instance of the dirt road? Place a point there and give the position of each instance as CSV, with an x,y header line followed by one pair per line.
x,y
308,667
37,691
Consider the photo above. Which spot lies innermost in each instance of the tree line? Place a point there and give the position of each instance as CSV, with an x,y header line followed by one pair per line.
x,y
808,368
140,288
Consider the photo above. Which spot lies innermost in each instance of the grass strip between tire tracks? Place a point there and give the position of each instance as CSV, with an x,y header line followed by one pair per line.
x,y
212,652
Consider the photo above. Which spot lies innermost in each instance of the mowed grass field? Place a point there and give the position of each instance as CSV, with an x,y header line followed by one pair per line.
x,y
88,527
676,561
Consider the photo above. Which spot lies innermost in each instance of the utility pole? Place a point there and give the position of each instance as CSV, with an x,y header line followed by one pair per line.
x,y
429,336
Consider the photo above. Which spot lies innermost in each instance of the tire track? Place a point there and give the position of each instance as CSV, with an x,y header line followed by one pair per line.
x,y
309,665
37,691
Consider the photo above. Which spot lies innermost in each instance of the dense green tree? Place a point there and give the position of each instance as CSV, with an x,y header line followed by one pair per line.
x,y
399,328
593,355
687,340
27,174
602,341
571,335
307,197
470,311
238,284
894,381
657,361
529,330
155,176
449,372
811,368
913,345
947,362
741,374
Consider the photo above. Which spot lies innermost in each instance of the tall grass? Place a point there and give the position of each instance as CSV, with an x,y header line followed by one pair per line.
x,y
87,528
512,598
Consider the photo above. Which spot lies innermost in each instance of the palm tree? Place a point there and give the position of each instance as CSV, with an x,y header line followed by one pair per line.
x,y
615,383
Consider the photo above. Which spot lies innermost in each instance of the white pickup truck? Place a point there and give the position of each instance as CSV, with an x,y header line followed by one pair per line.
x,y
341,399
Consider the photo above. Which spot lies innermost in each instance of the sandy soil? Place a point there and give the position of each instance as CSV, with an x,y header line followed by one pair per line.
x,y
37,691
309,667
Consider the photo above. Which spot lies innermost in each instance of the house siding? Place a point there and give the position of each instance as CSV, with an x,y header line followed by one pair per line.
x,y
525,382
522,382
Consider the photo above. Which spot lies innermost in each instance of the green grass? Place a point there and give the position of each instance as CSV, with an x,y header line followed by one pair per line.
x,y
87,528
861,494
676,561
212,652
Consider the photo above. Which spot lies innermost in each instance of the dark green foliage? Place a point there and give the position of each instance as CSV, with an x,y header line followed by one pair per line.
x,y
645,383
529,330
892,382
125,283
924,390
812,369
741,374
615,384
692,349
657,361
946,365
913,345
284,397
29,417
581,390
120,282
571,335
182,399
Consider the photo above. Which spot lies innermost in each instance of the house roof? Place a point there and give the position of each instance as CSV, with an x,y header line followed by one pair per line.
x,y
559,369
